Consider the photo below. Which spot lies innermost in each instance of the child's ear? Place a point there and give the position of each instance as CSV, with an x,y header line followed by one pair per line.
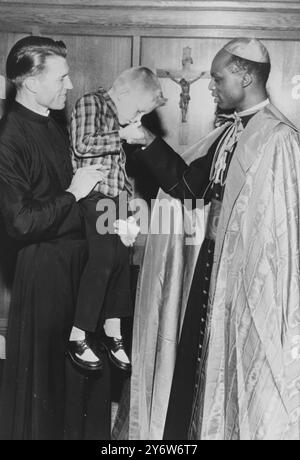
x,y
121,93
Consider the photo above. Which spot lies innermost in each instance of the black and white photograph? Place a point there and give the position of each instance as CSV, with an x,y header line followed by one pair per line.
x,y
149,222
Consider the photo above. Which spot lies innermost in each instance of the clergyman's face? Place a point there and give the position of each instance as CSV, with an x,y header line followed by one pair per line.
x,y
226,87
53,84
132,105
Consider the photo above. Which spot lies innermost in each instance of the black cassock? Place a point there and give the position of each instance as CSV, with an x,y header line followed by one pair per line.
x,y
42,395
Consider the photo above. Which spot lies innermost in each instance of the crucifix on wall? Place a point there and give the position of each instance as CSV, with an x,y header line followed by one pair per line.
x,y
184,77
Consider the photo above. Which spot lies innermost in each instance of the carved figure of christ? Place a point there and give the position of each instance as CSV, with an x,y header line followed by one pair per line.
x,y
184,77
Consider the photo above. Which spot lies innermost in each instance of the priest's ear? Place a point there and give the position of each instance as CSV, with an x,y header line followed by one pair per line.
x,y
31,84
247,79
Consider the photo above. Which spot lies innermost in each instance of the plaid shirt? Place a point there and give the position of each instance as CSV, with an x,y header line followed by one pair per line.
x,y
95,139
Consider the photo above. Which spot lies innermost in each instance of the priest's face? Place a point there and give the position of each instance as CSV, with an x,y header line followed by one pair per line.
x,y
226,87
53,83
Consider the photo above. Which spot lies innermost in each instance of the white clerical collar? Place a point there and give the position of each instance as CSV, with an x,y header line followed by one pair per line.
x,y
254,109
42,111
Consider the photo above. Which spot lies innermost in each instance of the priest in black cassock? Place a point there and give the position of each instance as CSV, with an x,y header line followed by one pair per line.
x,y
42,396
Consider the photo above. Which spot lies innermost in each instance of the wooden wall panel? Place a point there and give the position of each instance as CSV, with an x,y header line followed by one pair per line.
x,y
88,16
285,58
7,40
166,53
95,61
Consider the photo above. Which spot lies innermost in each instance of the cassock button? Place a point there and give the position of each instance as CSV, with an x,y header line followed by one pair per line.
x,y
204,292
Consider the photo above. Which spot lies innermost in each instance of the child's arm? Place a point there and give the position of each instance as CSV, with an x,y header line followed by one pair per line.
x,y
89,129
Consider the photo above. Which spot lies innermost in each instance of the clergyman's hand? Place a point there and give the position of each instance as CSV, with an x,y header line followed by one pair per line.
x,y
86,179
137,134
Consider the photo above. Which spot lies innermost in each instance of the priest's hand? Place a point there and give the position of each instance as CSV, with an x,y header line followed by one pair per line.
x,y
136,133
86,179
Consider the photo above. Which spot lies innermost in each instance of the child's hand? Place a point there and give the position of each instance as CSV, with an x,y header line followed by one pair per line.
x,y
127,230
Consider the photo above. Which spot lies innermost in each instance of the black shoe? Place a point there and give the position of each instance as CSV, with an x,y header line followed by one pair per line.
x,y
78,347
113,345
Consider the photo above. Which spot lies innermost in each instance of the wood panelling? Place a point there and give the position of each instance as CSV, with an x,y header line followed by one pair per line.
x,y
46,15
285,58
170,4
7,40
192,16
95,61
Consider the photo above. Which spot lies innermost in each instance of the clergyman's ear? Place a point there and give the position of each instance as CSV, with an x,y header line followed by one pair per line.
x,y
31,84
247,79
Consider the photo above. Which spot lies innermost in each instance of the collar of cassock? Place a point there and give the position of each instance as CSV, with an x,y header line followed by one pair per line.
x,y
30,114
252,110
229,140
